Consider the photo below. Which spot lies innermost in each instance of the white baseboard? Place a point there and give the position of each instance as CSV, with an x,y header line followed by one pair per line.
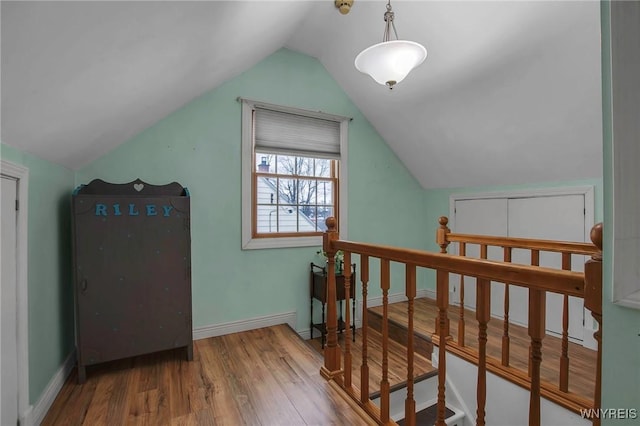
x,y
426,292
36,415
244,325
306,333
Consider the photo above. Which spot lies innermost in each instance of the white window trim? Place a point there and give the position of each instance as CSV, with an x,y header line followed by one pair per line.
x,y
250,243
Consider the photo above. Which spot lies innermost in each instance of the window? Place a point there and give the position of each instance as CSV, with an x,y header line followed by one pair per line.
x,y
293,175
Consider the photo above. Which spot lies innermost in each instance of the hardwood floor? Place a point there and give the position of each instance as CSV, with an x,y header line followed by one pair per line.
x,y
261,377
397,373
582,361
270,377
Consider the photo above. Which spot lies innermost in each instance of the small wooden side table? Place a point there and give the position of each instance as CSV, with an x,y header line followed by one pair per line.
x,y
318,290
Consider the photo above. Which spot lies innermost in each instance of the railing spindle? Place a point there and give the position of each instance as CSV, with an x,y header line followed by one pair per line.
x,y
506,340
442,295
537,312
410,403
535,257
461,331
364,368
384,382
564,356
535,261
483,251
347,319
483,315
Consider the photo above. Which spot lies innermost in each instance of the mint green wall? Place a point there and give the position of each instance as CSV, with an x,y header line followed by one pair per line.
x,y
437,203
621,326
199,146
51,327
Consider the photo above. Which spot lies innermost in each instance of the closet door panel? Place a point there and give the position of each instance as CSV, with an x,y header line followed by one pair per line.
x,y
551,218
485,217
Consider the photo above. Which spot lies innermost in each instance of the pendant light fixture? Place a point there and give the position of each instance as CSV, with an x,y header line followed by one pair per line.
x,y
391,61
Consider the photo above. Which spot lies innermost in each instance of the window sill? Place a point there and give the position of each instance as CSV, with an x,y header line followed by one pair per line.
x,y
269,243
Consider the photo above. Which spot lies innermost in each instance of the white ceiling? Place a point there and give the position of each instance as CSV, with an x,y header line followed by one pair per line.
x,y
509,93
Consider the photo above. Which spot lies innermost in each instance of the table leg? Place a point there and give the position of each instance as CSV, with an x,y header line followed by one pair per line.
x,y
340,320
324,328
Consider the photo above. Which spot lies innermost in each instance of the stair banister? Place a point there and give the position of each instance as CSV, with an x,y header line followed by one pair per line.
x,y
537,280
442,296
364,368
331,367
410,403
347,320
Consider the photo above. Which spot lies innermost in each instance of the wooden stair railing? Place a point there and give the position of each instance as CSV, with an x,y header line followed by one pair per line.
x,y
566,250
537,280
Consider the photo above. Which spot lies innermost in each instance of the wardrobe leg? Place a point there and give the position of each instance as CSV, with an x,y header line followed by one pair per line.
x,y
82,374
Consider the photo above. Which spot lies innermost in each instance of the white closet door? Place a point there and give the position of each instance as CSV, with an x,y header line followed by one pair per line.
x,y
8,301
485,217
551,218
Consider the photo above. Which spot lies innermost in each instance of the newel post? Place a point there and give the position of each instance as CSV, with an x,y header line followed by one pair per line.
x,y
441,234
331,366
443,242
593,302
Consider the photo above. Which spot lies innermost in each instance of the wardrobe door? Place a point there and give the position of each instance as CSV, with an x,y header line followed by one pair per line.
x,y
163,270
132,276
102,289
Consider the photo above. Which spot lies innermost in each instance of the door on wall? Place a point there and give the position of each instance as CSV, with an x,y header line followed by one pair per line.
x,y
553,217
8,302
488,217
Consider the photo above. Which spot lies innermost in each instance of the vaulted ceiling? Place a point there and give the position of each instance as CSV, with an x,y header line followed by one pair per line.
x,y
509,93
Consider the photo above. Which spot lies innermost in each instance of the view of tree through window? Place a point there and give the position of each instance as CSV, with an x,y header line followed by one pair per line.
x,y
294,194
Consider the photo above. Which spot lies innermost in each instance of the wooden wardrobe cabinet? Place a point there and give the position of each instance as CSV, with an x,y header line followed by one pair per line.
x,y
132,270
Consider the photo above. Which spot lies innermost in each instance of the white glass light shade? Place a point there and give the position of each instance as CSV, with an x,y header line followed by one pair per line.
x,y
390,62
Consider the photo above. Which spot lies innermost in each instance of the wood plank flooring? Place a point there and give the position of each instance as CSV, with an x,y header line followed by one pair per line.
x,y
397,361
582,361
261,377
270,377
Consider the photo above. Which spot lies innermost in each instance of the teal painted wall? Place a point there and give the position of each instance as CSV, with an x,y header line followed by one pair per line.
x,y
200,146
621,326
51,327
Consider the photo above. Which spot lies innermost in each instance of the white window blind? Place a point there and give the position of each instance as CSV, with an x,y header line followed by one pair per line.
x,y
285,133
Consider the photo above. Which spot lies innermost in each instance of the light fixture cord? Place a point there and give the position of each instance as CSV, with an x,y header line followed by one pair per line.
x,y
388,19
